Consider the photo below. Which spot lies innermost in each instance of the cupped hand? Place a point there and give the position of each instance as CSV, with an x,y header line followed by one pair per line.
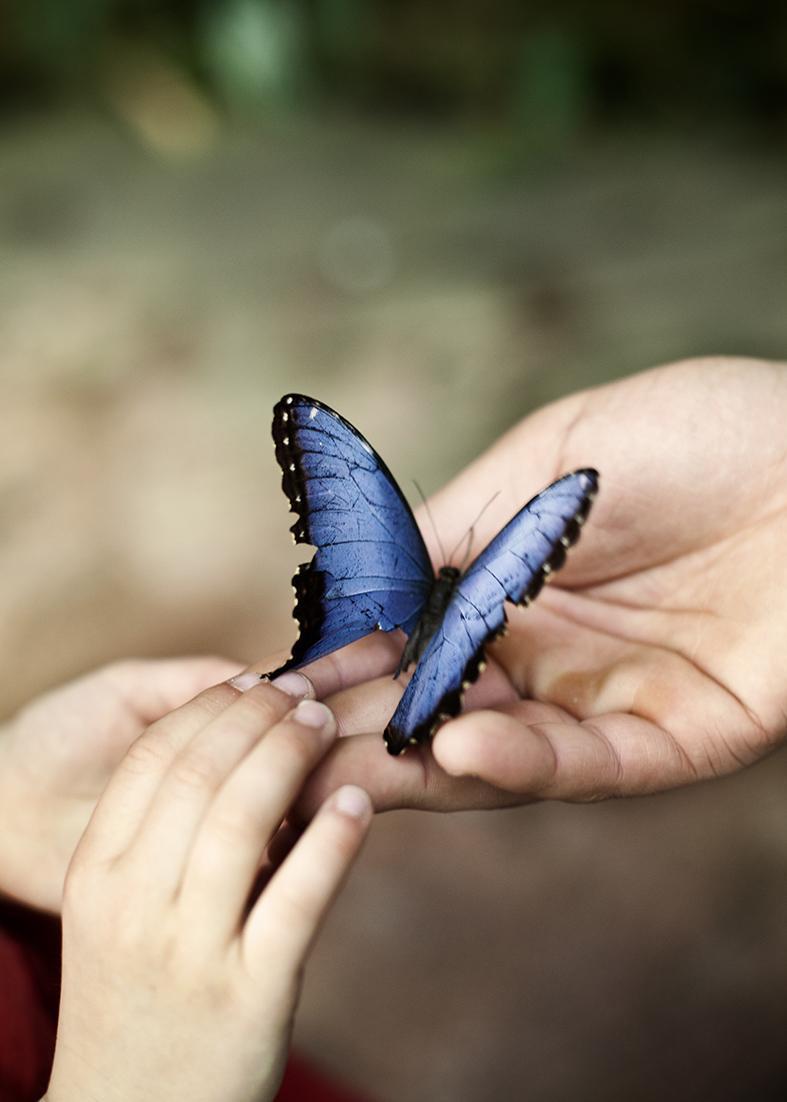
x,y
57,754
184,929
655,658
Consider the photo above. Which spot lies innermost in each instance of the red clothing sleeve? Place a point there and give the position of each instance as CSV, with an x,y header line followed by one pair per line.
x,y
29,995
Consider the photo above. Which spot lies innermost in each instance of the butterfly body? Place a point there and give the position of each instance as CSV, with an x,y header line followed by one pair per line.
x,y
436,603
371,570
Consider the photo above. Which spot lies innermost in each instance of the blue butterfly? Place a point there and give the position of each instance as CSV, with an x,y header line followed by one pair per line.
x,y
371,570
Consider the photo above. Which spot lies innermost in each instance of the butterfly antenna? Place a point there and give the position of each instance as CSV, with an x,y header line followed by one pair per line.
x,y
422,496
470,533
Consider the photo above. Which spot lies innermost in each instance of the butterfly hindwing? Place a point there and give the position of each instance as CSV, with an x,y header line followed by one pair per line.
x,y
371,568
512,568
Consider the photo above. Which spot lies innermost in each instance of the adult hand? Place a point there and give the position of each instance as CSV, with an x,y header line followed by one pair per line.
x,y
656,656
184,937
57,753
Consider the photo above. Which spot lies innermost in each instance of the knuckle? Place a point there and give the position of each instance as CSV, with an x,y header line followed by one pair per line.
x,y
610,760
195,772
267,704
236,825
145,755
215,699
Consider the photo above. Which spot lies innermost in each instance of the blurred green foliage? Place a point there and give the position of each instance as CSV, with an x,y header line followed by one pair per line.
x,y
552,67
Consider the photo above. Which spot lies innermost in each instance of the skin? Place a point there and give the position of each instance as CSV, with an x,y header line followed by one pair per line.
x,y
655,659
180,922
58,752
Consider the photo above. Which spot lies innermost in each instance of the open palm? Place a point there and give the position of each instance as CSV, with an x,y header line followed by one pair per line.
x,y
656,657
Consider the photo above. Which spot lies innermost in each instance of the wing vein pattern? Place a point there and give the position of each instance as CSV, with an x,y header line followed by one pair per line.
x,y
371,568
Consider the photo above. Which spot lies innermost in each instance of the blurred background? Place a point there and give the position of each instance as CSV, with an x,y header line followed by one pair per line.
x,y
435,217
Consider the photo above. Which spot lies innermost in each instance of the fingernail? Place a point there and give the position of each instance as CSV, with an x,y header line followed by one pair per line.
x,y
294,684
246,680
353,801
313,713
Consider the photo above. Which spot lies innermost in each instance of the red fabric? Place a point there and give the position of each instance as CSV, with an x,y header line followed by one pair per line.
x,y
302,1083
29,994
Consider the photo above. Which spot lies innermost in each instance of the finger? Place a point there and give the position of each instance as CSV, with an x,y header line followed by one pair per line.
x,y
416,779
244,815
565,759
370,706
187,788
366,707
374,655
279,847
285,920
130,791
412,780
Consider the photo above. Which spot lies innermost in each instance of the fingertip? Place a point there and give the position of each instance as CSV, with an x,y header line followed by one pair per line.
x,y
296,685
498,749
315,714
458,747
353,802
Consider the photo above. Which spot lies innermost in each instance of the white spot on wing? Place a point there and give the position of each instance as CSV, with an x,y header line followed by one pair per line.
x,y
312,413
366,447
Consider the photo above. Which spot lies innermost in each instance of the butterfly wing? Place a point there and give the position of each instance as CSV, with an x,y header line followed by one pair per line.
x,y
371,568
512,568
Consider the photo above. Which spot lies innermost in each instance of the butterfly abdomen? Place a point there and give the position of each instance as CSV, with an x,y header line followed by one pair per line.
x,y
432,616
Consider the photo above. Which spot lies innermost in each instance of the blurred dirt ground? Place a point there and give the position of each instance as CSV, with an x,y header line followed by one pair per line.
x,y
434,286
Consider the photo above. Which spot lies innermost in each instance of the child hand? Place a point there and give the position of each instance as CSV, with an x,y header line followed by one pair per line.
x,y
58,752
180,979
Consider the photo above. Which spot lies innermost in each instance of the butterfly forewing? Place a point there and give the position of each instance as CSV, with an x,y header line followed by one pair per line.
x,y
371,568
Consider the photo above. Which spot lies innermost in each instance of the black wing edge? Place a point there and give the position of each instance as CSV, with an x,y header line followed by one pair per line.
x,y
450,704
288,456
309,587
308,583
